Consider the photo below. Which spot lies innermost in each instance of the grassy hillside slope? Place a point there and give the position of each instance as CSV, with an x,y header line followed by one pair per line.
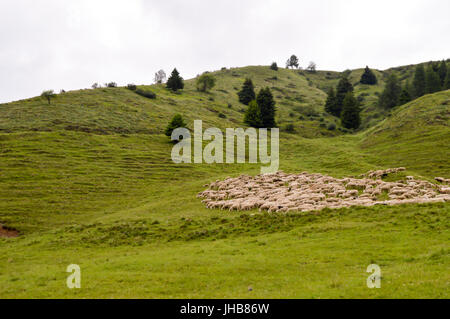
x,y
416,134
88,180
119,110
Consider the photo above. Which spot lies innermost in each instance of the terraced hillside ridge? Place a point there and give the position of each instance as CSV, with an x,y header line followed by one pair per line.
x,y
89,180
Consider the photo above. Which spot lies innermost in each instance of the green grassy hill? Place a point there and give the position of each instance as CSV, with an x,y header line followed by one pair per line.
x,y
119,110
89,180
416,134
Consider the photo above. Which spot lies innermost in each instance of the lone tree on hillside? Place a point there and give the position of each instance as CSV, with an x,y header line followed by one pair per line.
x,y
253,115
344,86
443,72
266,106
350,117
311,67
48,95
274,66
331,103
432,80
175,81
292,62
419,81
391,93
247,93
176,122
160,77
368,77
205,82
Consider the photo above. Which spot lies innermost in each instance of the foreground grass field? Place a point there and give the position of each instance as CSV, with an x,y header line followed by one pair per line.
x,y
107,196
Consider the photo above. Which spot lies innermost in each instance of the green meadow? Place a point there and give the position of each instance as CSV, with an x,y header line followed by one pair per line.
x,y
89,180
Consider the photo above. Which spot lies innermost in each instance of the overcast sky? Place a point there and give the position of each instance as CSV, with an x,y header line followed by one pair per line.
x,y
70,44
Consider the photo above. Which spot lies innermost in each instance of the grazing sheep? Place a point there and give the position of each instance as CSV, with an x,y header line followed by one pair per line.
x,y
281,192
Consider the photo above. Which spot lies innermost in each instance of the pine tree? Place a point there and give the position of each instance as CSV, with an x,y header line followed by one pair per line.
x,y
344,86
447,82
350,117
419,81
175,81
404,98
253,115
443,72
368,77
331,103
247,93
433,82
409,88
266,106
176,122
390,96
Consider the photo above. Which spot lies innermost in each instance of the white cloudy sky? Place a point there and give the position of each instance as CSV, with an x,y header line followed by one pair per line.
x,y
70,44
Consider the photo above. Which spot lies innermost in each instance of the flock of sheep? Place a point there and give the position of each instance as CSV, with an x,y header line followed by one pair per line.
x,y
281,192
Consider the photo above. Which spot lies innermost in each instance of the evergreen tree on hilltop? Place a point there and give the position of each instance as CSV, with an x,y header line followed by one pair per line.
x,y
344,86
331,103
419,81
350,117
247,93
253,115
368,77
443,72
266,106
391,94
175,81
432,80
292,62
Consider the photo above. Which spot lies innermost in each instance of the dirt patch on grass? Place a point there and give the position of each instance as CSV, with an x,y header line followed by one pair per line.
x,y
6,232
283,192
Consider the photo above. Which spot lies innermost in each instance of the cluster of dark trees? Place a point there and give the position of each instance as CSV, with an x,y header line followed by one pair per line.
x,y
342,103
434,78
261,108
